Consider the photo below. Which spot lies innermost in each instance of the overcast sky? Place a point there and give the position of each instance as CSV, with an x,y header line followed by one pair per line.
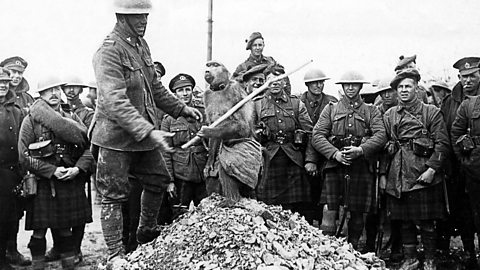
x,y
61,36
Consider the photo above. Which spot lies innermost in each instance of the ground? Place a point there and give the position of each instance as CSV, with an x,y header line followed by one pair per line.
x,y
94,249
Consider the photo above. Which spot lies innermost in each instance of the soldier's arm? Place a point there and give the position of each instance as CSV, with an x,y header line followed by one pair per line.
x,y
321,132
384,159
459,127
306,124
35,166
375,143
168,156
112,93
442,143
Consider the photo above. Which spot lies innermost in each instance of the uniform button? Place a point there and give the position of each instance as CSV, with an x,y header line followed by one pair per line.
x,y
349,125
61,156
192,133
278,111
281,131
141,75
11,128
350,115
11,148
11,168
279,121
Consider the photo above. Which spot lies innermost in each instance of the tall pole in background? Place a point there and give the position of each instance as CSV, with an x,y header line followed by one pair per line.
x,y
210,24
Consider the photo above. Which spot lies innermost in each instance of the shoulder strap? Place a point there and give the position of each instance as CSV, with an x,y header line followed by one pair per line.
x,y
295,117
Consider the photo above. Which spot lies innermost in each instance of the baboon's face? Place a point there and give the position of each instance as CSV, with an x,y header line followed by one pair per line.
x,y
216,73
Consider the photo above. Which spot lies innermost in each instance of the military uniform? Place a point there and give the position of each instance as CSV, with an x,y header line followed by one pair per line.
x,y
10,119
251,62
186,165
128,91
23,98
468,122
283,180
83,112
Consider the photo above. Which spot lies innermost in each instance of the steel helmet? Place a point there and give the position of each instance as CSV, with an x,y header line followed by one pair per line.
x,y
132,6
442,85
352,77
74,81
384,84
49,82
314,74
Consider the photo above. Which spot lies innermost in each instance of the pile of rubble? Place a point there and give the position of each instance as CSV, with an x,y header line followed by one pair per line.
x,y
246,235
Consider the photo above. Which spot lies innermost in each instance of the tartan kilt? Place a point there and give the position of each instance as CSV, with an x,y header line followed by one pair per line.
x,y
284,182
361,187
421,204
69,207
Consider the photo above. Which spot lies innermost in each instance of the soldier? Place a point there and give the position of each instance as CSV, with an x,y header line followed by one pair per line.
x,y
91,98
417,147
315,101
254,77
54,147
186,166
440,91
17,65
349,134
10,119
125,129
389,99
72,90
466,144
461,215
284,124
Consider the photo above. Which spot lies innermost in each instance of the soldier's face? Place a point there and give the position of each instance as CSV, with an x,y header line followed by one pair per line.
x,y
138,23
52,95
406,90
470,81
184,94
16,77
389,97
72,92
439,94
351,90
257,47
277,86
255,81
316,87
4,85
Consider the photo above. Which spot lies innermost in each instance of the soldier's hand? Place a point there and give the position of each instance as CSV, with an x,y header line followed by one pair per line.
x,y
59,172
311,168
352,152
192,112
69,174
158,138
382,183
426,178
341,158
171,190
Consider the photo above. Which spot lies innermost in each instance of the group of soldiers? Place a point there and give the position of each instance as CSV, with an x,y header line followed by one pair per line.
x,y
408,159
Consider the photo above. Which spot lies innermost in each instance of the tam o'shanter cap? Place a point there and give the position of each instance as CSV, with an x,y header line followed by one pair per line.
x,y
254,70
252,38
16,63
467,65
181,80
404,61
407,73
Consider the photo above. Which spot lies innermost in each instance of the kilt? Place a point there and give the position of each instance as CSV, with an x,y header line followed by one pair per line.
x,y
421,204
284,182
69,207
361,187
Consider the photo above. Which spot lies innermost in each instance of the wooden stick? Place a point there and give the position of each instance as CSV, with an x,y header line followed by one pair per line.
x,y
237,106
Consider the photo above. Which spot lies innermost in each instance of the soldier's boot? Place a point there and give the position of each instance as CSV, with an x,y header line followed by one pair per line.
x,y
410,262
355,228
66,246
13,256
112,227
37,247
328,225
53,254
77,235
148,230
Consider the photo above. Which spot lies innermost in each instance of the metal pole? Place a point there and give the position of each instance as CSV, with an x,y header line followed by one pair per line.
x,y
210,26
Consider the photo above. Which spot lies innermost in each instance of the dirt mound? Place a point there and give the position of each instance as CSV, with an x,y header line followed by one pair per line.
x,y
246,235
